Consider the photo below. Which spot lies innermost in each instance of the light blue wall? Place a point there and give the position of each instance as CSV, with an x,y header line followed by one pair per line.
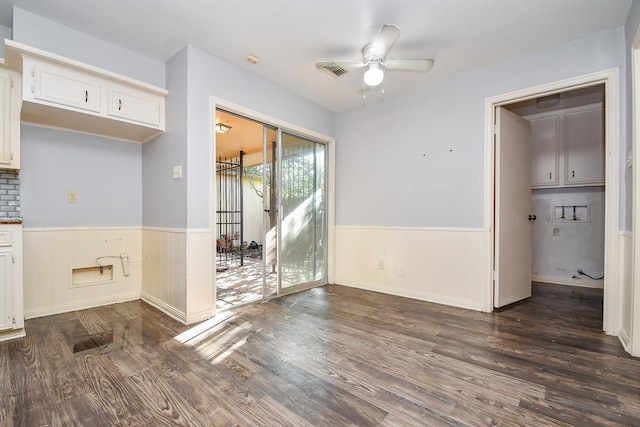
x,y
5,33
209,76
417,160
106,173
164,199
36,31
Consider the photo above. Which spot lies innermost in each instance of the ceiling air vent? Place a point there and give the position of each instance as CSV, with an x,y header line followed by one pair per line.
x,y
334,69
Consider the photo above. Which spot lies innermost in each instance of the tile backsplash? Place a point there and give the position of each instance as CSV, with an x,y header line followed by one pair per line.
x,y
9,194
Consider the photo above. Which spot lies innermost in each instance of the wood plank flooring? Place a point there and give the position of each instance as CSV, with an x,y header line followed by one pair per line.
x,y
330,356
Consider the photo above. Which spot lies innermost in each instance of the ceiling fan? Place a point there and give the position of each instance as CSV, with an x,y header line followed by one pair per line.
x,y
374,56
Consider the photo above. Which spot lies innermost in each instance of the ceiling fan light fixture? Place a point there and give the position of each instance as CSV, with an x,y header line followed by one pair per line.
x,y
222,128
374,75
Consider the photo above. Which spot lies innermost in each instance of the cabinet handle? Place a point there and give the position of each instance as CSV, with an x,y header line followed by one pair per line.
x,y
86,96
119,104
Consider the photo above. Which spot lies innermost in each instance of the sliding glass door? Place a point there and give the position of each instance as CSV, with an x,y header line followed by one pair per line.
x,y
303,203
276,241
294,188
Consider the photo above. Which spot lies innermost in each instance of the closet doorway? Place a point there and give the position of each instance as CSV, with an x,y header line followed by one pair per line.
x,y
607,81
270,211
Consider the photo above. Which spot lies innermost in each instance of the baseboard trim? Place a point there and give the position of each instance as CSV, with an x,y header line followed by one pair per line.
x,y
167,309
79,305
625,340
436,299
584,283
198,317
12,335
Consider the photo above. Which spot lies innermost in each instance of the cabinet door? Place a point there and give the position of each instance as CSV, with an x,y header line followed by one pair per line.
x,y
584,156
65,87
544,152
5,118
131,104
6,290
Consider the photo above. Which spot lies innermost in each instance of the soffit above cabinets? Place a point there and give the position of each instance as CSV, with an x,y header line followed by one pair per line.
x,y
62,93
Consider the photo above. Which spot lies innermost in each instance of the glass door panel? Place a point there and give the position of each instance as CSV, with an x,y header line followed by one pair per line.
x,y
270,270
303,205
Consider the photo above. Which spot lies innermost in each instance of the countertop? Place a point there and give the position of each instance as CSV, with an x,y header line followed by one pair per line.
x,y
11,220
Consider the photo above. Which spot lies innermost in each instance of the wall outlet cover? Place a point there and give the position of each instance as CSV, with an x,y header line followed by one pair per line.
x,y
72,197
177,172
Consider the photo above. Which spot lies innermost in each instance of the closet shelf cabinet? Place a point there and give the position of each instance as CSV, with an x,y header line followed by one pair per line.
x,y
568,148
62,93
9,119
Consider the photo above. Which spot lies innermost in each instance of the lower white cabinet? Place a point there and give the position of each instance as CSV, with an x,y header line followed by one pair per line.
x,y
11,306
7,318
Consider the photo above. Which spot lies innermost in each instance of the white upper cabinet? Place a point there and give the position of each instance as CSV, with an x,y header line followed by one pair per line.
x,y
9,119
544,151
62,93
135,105
568,147
584,147
64,87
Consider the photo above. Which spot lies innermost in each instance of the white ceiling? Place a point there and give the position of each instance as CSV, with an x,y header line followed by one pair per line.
x,y
289,36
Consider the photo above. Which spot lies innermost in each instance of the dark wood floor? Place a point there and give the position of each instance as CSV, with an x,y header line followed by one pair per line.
x,y
330,356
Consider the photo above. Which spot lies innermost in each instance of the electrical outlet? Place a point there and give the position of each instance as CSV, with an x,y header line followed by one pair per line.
x,y
400,271
177,172
380,265
556,232
72,197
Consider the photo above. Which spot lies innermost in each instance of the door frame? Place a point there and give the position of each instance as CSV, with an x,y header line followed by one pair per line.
x,y
610,79
214,104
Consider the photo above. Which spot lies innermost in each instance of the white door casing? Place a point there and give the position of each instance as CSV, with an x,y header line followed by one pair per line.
x,y
610,78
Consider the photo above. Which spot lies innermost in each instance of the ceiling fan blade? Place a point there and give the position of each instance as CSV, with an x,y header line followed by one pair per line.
x,y
421,65
385,41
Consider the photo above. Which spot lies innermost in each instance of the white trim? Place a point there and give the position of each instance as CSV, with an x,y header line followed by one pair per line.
x,y
164,307
13,334
633,342
610,78
582,283
87,228
625,340
80,305
166,230
422,296
392,227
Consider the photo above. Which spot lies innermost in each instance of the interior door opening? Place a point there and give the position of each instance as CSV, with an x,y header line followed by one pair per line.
x,y
567,186
270,211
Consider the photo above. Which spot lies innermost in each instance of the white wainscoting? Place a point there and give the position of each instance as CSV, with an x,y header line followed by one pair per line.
x,y
164,273
200,275
51,254
178,272
441,265
626,293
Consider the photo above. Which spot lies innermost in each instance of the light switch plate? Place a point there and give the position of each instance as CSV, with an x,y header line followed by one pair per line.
x,y
177,172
